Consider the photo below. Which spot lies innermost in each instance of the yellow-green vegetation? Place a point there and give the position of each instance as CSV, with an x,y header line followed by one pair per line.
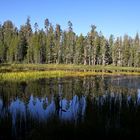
x,y
33,75
71,67
22,72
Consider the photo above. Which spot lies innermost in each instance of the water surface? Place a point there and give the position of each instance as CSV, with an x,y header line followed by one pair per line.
x,y
70,108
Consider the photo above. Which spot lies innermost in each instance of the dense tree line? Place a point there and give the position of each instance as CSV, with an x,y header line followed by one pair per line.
x,y
54,45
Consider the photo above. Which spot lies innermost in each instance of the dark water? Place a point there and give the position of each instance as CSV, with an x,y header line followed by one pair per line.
x,y
70,108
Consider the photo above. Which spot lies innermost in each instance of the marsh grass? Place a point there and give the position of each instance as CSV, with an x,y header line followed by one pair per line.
x,y
34,75
24,72
70,67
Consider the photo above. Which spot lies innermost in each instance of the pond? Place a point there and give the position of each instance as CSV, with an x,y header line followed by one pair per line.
x,y
70,108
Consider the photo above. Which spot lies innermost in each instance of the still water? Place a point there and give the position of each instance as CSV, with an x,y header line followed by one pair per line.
x,y
70,108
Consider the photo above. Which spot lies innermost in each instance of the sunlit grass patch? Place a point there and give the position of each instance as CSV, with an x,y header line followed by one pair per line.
x,y
23,72
34,75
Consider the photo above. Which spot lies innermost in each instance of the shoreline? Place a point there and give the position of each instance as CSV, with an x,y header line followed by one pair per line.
x,y
23,72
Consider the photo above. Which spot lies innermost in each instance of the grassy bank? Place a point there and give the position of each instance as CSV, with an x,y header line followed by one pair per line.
x,y
23,72
69,67
33,75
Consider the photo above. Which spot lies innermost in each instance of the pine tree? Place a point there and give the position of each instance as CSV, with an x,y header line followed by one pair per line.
x,y
137,51
107,58
50,45
79,50
92,45
98,50
111,44
12,51
1,45
47,24
116,52
126,51
58,49
23,45
8,34
25,34
71,38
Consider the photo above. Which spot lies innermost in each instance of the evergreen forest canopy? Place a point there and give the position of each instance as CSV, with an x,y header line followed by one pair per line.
x,y
54,45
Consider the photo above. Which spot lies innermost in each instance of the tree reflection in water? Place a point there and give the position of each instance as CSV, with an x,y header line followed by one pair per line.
x,y
103,106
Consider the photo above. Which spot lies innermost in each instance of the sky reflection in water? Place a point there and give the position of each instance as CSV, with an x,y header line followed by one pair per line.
x,y
101,103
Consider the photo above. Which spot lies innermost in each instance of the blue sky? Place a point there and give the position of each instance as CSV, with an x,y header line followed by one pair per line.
x,y
110,16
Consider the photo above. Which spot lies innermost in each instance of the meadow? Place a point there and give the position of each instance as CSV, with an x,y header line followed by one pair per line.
x,y
23,72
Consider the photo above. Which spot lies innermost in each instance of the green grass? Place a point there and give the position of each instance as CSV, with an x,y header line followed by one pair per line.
x,y
42,67
23,72
33,75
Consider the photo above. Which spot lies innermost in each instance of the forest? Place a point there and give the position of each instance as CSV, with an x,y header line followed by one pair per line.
x,y
52,45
